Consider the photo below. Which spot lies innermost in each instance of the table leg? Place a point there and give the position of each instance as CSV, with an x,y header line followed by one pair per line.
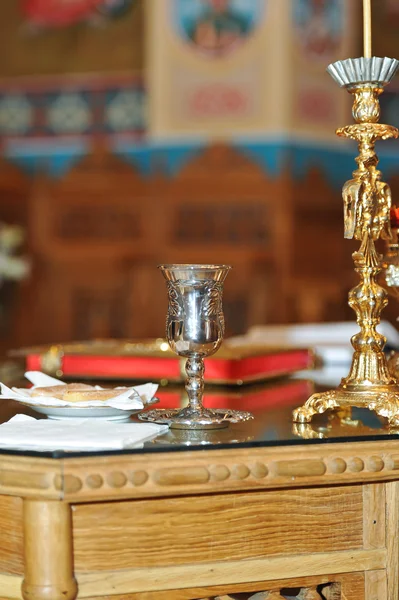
x,y
48,551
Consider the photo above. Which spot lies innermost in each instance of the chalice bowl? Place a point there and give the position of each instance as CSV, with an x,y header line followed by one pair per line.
x,y
195,330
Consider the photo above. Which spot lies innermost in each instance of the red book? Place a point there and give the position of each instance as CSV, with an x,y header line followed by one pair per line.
x,y
153,360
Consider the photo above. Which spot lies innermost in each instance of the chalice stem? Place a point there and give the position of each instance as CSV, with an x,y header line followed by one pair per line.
x,y
195,381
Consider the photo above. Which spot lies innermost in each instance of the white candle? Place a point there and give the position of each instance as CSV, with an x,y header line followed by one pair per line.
x,y
367,28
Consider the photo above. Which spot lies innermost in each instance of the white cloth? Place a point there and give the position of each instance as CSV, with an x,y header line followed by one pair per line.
x,y
330,341
23,432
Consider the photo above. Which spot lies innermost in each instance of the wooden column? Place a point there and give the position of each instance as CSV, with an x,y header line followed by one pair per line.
x,y
48,551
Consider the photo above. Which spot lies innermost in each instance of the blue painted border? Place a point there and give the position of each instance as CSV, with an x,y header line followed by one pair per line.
x,y
274,156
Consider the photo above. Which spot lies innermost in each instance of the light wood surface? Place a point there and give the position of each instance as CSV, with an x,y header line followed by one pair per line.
x,y
375,585
352,588
229,572
392,532
198,525
11,536
119,536
10,586
374,518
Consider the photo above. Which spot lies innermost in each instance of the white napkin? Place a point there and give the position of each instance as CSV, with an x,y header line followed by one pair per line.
x,y
129,398
330,341
23,432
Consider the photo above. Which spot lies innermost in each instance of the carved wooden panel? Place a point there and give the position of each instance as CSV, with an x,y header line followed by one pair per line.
x,y
102,221
97,222
220,161
248,296
83,300
99,313
14,193
223,208
241,222
98,210
322,267
329,591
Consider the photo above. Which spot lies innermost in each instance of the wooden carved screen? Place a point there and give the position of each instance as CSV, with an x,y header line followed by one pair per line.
x,y
14,193
330,591
322,267
14,295
221,208
392,311
99,233
91,230
334,587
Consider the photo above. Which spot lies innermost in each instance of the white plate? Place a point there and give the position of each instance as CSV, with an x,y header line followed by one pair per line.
x,y
106,413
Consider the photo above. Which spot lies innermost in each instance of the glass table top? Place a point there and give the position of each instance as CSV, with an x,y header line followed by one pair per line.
x,y
271,405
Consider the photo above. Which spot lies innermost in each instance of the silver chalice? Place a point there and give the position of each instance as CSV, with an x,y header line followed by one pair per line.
x,y
195,330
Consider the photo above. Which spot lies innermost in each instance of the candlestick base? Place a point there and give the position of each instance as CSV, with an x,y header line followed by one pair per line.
x,y
383,400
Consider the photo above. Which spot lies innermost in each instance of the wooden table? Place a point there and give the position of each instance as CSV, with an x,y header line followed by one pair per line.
x,y
258,508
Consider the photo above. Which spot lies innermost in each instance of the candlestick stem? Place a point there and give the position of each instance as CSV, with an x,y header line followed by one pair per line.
x,y
367,28
367,203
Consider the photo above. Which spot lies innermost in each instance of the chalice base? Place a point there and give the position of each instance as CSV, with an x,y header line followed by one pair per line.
x,y
189,418
382,399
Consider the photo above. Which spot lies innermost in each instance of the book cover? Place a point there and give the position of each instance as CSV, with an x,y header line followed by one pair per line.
x,y
153,360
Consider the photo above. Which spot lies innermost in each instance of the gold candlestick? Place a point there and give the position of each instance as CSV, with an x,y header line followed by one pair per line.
x,y
367,203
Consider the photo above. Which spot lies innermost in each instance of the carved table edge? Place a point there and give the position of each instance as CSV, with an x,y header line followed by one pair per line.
x,y
30,476
143,475
177,473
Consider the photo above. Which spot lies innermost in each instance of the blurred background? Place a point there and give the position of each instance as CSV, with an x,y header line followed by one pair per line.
x,y
139,132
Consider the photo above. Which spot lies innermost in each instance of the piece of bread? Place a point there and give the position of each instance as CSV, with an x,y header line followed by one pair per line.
x,y
90,395
58,391
78,386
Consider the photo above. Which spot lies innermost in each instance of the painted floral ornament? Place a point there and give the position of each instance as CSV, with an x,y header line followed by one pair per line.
x,y
50,14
